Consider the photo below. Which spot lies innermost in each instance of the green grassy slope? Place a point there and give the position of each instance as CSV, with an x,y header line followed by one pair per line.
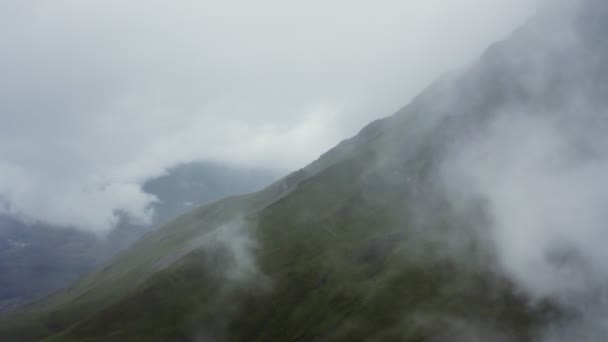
x,y
361,245
341,256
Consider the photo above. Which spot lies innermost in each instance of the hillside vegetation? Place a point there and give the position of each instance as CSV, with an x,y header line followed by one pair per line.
x,y
361,245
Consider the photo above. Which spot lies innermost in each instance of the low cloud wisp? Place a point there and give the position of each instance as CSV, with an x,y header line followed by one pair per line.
x,y
540,173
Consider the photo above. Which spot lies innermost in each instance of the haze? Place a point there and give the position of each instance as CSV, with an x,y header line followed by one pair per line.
x,y
99,96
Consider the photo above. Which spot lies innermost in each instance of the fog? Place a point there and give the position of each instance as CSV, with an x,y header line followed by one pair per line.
x,y
99,96
539,168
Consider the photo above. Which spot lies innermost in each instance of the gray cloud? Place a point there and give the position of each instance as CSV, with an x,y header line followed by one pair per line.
x,y
547,203
98,96
539,169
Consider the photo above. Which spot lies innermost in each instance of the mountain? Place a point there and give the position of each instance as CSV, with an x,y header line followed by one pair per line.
x,y
36,260
370,242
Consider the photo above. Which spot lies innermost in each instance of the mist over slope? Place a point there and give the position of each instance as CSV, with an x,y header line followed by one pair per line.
x,y
476,213
38,259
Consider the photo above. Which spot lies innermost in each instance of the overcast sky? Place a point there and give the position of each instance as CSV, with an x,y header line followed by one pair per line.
x,y
98,96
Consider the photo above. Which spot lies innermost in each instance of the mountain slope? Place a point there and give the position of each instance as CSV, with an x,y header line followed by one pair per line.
x,y
364,244
36,260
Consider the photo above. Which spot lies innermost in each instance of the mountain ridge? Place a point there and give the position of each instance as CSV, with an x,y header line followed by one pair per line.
x,y
362,244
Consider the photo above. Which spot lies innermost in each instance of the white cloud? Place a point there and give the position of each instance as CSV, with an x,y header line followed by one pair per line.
x,y
98,96
542,177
